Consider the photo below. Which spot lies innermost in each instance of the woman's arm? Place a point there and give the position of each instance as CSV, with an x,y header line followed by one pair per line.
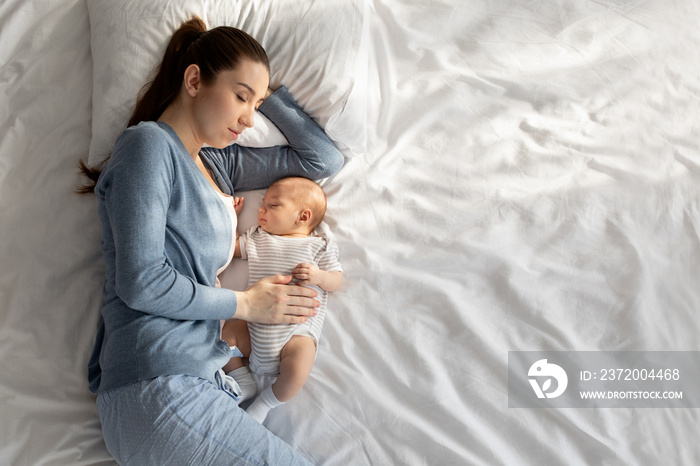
x,y
310,153
134,192
271,300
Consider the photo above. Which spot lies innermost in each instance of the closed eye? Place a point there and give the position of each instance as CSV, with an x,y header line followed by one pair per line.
x,y
241,98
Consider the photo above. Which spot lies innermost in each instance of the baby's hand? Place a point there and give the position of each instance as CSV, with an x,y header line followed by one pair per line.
x,y
238,204
307,274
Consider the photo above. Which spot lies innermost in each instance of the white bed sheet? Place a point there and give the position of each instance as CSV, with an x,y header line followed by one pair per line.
x,y
531,183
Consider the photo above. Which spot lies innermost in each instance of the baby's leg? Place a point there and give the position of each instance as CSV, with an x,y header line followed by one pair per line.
x,y
296,362
235,333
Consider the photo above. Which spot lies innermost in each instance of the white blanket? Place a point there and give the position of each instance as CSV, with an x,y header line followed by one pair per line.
x,y
530,181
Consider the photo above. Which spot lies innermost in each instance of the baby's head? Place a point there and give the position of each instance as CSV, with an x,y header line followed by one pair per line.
x,y
292,206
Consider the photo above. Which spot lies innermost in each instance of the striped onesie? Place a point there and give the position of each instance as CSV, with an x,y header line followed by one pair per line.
x,y
269,255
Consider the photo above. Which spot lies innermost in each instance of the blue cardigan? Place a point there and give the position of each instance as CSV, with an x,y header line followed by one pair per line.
x,y
165,234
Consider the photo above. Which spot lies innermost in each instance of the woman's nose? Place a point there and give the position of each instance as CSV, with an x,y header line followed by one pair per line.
x,y
248,118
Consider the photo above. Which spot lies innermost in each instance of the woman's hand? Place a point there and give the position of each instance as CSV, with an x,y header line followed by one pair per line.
x,y
272,301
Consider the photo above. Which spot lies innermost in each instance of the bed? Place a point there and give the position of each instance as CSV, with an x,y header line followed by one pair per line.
x,y
520,176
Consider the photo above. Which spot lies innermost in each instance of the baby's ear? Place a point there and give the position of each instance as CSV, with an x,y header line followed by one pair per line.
x,y
305,216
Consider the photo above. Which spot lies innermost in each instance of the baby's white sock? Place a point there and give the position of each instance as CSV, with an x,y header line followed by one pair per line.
x,y
263,404
245,382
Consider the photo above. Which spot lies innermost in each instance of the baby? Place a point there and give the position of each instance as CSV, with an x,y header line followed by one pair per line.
x,y
284,242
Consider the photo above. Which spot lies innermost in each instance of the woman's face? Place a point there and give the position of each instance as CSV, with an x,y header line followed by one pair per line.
x,y
224,108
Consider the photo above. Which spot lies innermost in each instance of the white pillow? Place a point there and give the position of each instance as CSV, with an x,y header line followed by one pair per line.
x,y
316,49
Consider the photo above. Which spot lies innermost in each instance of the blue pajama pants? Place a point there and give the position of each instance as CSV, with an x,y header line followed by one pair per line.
x,y
179,420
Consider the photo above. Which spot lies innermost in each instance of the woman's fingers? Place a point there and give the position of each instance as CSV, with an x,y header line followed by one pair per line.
x,y
300,301
307,308
301,291
271,300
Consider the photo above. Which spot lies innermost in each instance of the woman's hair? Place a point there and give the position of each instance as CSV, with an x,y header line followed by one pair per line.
x,y
214,51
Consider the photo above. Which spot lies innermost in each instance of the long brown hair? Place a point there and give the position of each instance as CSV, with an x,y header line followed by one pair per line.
x,y
219,49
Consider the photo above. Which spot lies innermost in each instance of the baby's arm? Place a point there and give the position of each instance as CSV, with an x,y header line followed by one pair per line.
x,y
309,274
238,204
238,207
237,249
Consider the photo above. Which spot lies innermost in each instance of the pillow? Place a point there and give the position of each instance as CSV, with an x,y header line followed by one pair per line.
x,y
316,49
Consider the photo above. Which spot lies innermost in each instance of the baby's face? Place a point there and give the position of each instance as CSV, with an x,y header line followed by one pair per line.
x,y
279,211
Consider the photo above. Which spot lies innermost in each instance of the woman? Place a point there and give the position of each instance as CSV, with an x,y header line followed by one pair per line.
x,y
167,230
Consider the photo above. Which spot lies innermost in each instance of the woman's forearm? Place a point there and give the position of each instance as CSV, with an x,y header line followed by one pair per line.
x,y
310,152
304,135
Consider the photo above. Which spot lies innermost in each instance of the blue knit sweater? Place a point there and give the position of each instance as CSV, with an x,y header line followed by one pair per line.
x,y
165,234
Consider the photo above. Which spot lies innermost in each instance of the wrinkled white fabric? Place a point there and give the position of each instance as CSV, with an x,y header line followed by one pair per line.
x,y
531,182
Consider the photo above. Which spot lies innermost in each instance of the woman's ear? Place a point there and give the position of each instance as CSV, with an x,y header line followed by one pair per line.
x,y
192,80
